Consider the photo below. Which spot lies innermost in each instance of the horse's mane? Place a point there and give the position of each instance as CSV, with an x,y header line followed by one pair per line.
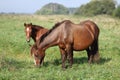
x,y
48,32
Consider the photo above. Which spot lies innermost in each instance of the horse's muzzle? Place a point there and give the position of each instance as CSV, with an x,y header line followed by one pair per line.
x,y
37,66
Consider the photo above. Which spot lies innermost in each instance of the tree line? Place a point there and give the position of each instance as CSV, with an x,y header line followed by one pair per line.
x,y
93,8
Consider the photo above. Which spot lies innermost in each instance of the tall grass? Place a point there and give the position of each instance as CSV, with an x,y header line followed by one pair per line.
x,y
17,64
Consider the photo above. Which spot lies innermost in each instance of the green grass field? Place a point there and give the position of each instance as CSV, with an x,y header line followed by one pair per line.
x,y
17,64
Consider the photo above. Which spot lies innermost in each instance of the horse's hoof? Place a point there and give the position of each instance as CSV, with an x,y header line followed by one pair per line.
x,y
89,61
70,66
63,69
37,66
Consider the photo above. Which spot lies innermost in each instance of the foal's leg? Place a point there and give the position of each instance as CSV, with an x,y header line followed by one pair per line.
x,y
42,61
63,57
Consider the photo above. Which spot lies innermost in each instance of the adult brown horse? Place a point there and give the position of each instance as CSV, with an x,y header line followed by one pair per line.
x,y
69,37
34,31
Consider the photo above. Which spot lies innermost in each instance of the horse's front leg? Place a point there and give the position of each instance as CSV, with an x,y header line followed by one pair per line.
x,y
70,58
69,51
63,57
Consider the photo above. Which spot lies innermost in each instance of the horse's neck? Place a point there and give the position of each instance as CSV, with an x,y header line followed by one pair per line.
x,y
51,40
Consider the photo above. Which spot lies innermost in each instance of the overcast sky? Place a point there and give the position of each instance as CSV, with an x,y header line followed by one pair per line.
x,y
30,6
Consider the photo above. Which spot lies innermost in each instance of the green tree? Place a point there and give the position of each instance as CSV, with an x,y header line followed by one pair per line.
x,y
97,7
116,12
52,8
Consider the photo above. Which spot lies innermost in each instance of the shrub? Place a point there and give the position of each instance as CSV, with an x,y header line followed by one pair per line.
x,y
116,12
97,7
52,8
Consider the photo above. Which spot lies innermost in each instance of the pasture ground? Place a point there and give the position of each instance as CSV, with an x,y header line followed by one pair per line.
x,y
17,64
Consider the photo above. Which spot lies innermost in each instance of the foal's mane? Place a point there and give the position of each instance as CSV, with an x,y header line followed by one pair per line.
x,y
54,27
37,27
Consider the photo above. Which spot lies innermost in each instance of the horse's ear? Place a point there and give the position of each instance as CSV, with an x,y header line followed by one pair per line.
x,y
24,24
30,23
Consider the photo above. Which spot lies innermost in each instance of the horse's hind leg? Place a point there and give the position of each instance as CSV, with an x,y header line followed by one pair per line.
x,y
96,56
89,54
94,51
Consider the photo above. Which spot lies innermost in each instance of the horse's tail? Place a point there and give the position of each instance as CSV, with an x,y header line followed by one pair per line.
x,y
96,56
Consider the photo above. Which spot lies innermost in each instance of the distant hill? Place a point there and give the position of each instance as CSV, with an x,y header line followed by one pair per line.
x,y
53,8
72,10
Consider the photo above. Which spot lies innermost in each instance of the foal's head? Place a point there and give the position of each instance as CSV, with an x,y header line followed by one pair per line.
x,y
28,31
38,55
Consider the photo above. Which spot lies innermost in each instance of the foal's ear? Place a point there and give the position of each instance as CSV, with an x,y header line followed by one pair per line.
x,y
24,24
30,23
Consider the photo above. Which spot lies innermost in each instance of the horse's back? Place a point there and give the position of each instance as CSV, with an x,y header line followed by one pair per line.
x,y
84,35
91,26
